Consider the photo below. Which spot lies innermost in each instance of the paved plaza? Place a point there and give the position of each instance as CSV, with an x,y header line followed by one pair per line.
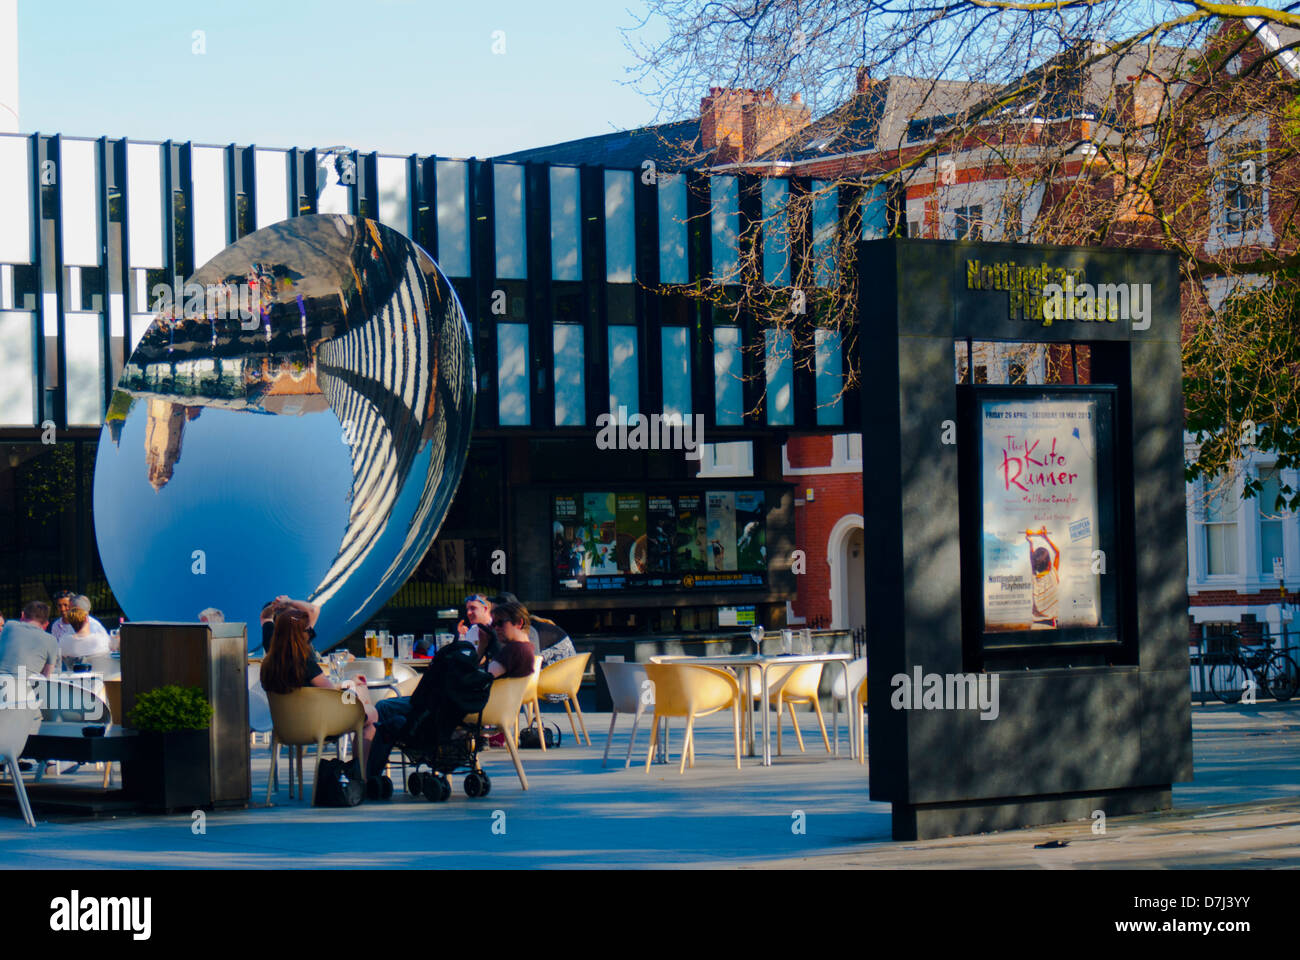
x,y
1241,811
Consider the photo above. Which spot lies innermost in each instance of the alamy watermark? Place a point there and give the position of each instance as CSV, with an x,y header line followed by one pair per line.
x,y
1105,301
666,431
946,691
18,692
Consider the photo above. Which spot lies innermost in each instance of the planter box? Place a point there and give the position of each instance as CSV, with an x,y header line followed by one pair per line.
x,y
171,771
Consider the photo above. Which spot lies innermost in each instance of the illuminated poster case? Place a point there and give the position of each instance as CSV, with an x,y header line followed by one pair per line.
x,y
1040,562
653,540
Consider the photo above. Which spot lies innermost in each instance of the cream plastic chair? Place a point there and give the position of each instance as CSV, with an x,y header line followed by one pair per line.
x,y
73,701
857,669
502,711
563,678
631,691
20,717
690,691
311,715
798,685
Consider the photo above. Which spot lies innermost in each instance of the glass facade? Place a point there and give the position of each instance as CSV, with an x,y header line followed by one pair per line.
x,y
570,391
779,366
624,381
620,227
453,217
566,224
830,378
776,232
508,183
728,393
676,354
512,374
724,222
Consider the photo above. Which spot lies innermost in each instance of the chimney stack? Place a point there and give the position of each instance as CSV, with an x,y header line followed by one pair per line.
x,y
741,124
864,80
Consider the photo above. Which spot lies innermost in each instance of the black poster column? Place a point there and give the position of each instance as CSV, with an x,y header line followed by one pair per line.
x,y
1107,729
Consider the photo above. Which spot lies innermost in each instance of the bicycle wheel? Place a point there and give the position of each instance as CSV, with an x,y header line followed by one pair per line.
x,y
1226,681
1281,677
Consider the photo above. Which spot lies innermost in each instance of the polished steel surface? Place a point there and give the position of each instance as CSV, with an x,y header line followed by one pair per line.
x,y
295,423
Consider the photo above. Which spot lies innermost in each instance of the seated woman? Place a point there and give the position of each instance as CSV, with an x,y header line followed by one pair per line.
x,y
79,640
291,664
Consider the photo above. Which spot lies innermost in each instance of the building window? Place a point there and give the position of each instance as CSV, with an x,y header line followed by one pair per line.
x,y
968,222
18,386
1236,152
727,459
1243,190
728,397
1270,520
15,200
776,232
271,171
830,378
512,374
570,394
846,451
779,367
453,217
676,345
725,223
1220,532
566,252
875,212
508,190
619,227
624,383
826,218
672,229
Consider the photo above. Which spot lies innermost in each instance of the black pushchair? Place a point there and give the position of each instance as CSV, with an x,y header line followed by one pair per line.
x,y
438,733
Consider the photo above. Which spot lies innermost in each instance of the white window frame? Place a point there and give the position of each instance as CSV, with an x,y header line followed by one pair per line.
x,y
1219,133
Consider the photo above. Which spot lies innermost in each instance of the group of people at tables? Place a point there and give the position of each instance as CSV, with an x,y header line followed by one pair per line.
x,y
505,635
41,643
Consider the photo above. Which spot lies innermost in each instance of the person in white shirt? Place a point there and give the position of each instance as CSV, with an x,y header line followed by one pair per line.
x,y
82,641
62,628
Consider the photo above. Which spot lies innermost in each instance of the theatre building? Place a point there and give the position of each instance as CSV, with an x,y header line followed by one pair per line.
x,y
627,468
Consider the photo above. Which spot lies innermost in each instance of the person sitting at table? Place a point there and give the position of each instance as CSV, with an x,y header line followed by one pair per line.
x,y
79,640
63,628
290,664
272,609
25,644
512,657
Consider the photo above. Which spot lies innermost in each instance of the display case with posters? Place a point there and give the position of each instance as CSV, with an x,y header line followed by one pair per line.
x,y
1041,567
658,539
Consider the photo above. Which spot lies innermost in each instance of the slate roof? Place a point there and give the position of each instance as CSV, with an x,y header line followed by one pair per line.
x,y
666,144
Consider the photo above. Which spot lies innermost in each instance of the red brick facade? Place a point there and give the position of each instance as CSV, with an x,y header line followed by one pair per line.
x,y
835,496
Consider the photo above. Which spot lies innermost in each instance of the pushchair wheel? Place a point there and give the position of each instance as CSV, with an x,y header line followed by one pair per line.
x,y
436,788
379,788
477,784
415,783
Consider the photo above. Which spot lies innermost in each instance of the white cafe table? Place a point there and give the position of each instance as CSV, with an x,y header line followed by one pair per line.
x,y
749,661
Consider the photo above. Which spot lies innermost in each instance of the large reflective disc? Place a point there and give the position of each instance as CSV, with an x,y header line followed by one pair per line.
x,y
294,421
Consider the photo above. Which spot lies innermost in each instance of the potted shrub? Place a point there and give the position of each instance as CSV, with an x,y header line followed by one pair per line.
x,y
172,768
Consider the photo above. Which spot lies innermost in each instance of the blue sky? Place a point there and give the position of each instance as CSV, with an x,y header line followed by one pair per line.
x,y
398,76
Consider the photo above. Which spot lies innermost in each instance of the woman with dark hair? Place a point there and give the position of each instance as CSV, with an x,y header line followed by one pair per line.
x,y
291,664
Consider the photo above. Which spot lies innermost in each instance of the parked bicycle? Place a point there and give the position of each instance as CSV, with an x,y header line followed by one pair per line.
x,y
1275,673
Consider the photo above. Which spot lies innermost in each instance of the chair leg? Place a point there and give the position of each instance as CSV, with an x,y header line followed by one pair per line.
x,y
300,779
537,717
794,722
519,767
582,722
778,725
573,725
315,774
108,774
19,788
686,747
862,736
735,729
654,741
636,719
821,722
609,737
275,766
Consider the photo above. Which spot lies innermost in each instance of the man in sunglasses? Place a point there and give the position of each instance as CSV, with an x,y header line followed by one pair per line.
x,y
475,627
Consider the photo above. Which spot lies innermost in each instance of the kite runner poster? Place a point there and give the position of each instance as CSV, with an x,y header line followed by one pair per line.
x,y
1040,513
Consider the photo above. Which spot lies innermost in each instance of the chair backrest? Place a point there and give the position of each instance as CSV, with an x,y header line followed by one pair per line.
x,y
259,709
802,682
530,688
777,674
506,698
857,670
563,676
626,682
19,718
71,701
684,689
311,713
373,669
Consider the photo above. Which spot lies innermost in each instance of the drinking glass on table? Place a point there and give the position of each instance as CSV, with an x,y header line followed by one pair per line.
x,y
387,653
406,646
